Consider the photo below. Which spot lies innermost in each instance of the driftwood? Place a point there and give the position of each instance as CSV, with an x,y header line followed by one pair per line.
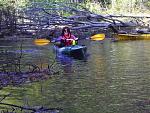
x,y
128,16
40,109
50,16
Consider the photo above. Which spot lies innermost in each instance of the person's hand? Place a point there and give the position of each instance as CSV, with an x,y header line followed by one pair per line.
x,y
76,38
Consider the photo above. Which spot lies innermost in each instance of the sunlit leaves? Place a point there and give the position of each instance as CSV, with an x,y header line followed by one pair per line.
x,y
14,3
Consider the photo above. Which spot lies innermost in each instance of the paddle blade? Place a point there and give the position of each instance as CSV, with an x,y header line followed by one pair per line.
x,y
41,42
98,37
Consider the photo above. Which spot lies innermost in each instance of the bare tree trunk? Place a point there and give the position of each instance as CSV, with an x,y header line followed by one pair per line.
x,y
0,19
113,4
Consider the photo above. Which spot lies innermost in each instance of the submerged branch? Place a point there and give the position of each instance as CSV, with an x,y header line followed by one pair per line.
x,y
5,96
32,109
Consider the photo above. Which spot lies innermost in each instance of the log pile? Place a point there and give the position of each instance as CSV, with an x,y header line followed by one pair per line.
x,y
46,19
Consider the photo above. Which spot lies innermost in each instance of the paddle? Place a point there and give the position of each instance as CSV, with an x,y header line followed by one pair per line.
x,y
41,42
97,37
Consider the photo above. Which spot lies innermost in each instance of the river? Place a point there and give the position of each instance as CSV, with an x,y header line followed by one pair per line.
x,y
114,78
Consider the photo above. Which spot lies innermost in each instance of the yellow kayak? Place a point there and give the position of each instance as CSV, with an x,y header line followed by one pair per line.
x,y
132,36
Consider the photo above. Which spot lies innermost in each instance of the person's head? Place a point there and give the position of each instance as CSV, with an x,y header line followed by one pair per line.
x,y
66,31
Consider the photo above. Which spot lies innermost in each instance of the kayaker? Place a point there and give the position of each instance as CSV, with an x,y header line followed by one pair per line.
x,y
66,38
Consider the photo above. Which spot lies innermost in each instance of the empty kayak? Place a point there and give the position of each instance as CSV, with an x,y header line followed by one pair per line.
x,y
132,37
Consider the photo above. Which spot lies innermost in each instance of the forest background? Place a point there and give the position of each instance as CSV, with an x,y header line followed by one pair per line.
x,y
98,6
9,10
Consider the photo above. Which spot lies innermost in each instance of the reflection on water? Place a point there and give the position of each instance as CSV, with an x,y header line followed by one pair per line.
x,y
66,63
114,79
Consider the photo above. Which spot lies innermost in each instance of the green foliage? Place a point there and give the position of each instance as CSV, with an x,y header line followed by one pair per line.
x,y
96,6
49,1
13,3
148,3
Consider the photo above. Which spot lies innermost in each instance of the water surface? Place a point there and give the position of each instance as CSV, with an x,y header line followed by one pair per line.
x,y
114,78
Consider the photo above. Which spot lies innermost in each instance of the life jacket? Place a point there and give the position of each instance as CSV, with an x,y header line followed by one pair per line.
x,y
67,42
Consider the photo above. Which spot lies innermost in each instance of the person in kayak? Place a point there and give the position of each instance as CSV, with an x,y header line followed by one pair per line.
x,y
66,38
